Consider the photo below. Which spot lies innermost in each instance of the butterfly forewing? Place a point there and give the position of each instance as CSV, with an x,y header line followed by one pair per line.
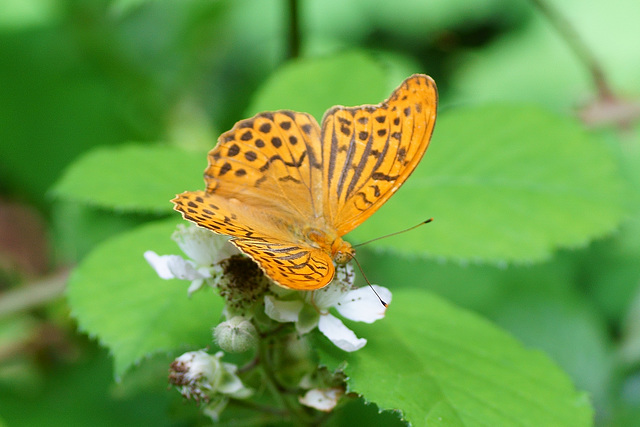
x,y
369,151
271,159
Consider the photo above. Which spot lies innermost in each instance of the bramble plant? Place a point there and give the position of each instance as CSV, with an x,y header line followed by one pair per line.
x,y
271,323
518,305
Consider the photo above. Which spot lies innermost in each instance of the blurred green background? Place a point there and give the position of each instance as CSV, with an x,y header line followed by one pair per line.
x,y
75,75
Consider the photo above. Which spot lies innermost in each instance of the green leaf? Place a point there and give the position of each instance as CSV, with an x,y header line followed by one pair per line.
x,y
359,412
315,85
435,362
118,298
610,268
504,183
132,177
565,329
78,228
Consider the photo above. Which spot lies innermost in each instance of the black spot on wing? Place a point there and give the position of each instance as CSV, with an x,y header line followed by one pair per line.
x,y
265,128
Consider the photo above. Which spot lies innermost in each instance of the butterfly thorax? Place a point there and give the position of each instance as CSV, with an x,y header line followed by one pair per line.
x,y
340,251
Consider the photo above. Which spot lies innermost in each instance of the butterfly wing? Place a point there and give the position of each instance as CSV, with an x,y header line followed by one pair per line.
x,y
291,266
369,151
264,183
265,236
270,161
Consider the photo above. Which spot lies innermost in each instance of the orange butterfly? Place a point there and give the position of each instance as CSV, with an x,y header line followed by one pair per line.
x,y
286,190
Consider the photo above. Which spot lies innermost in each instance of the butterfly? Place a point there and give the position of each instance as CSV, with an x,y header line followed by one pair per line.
x,y
286,189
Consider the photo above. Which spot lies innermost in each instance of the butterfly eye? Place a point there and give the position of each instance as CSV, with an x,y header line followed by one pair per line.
x,y
341,257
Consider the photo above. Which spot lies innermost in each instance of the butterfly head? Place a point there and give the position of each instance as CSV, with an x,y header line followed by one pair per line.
x,y
341,251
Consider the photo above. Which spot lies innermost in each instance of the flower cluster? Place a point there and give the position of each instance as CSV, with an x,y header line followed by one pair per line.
x,y
257,312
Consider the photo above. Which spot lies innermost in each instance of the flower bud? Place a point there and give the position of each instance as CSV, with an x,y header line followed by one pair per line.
x,y
236,335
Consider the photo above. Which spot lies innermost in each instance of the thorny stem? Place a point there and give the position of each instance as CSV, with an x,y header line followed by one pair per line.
x,y
581,50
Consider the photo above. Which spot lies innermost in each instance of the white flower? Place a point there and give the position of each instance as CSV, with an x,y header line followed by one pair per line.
x,y
205,378
312,311
205,248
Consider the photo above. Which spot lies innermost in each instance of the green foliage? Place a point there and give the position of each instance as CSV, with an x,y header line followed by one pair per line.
x,y
535,237
455,368
83,393
536,63
427,342
131,177
119,299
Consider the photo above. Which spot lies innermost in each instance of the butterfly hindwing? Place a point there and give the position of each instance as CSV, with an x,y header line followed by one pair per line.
x,y
233,217
289,265
370,150
288,262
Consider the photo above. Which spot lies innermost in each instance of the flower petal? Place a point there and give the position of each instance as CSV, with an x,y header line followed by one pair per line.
x,y
339,334
195,286
362,305
160,264
322,399
231,384
173,267
282,311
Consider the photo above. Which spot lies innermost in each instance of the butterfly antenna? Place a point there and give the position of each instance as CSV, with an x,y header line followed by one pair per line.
x,y
369,283
392,234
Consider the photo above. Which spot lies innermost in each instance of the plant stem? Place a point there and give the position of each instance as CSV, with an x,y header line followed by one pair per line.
x,y
260,408
34,294
581,50
294,29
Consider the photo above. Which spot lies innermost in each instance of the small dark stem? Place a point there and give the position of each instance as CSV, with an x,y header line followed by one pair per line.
x,y
249,366
294,29
260,408
571,36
